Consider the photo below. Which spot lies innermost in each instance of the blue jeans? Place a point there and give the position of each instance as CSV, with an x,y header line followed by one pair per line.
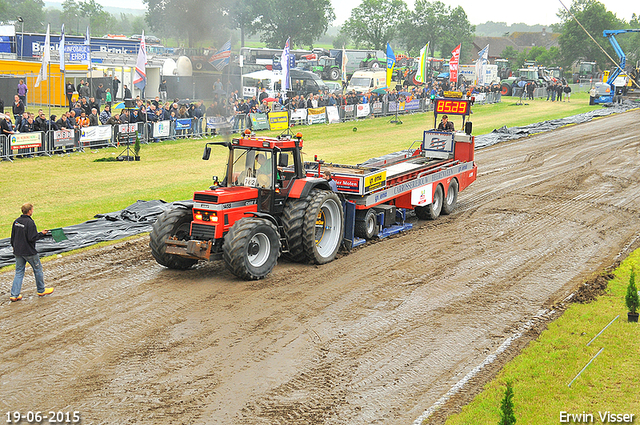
x,y
21,262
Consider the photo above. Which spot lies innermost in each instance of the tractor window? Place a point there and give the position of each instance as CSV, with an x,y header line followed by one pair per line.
x,y
252,168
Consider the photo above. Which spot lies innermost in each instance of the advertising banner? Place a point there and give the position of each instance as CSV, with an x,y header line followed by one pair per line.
x,y
63,138
333,115
278,120
299,115
183,124
161,128
363,110
412,105
217,122
259,121
249,91
25,140
423,195
317,115
377,108
95,133
124,129
399,106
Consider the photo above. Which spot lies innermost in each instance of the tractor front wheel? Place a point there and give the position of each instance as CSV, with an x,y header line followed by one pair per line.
x,y
251,248
335,73
175,222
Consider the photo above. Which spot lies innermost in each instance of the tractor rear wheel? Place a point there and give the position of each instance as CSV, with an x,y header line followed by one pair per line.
x,y
323,226
505,89
175,222
432,211
451,200
251,248
366,226
292,220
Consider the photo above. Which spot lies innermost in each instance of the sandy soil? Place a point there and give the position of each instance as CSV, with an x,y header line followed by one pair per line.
x,y
389,334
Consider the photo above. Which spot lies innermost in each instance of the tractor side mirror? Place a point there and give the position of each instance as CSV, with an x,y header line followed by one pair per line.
x,y
207,153
283,160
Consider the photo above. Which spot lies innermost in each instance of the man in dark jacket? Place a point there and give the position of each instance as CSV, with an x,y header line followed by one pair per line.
x,y
24,235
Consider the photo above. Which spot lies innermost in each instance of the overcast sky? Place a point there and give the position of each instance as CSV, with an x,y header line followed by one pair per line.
x,y
479,11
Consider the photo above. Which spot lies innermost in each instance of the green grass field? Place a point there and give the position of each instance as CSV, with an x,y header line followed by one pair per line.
x,y
542,372
71,189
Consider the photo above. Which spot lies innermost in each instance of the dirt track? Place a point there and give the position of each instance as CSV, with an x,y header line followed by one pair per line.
x,y
375,337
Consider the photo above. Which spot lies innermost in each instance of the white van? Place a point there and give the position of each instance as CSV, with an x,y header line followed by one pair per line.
x,y
365,80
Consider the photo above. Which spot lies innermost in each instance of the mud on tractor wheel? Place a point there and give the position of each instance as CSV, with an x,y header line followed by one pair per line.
x,y
251,248
323,226
175,222
292,221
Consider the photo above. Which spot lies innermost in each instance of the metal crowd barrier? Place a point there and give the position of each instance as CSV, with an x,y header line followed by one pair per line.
x,y
65,141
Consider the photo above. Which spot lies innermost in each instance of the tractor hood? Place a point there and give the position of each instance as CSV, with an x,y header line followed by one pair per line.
x,y
226,195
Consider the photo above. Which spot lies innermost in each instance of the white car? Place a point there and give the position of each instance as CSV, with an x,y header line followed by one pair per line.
x,y
335,87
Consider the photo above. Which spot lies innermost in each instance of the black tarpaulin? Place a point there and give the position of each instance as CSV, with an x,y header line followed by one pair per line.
x,y
135,219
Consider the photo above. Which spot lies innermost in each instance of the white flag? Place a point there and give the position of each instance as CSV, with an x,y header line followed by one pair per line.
x,y
87,42
46,58
140,80
284,61
61,49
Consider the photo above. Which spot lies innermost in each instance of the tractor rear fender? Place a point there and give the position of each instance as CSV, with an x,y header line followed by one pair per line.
x,y
302,187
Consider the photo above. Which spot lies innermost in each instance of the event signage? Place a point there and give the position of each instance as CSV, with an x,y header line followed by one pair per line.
x,y
25,140
412,105
63,138
377,107
161,128
316,115
217,122
77,52
396,106
124,129
278,121
259,122
33,44
333,116
298,115
183,124
363,110
95,133
249,91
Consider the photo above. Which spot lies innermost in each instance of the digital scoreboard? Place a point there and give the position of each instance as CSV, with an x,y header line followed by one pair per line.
x,y
452,106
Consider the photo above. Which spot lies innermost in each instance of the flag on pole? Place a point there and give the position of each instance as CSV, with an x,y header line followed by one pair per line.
x,y
481,63
220,59
284,61
61,48
46,58
421,74
344,64
453,64
391,62
87,42
140,80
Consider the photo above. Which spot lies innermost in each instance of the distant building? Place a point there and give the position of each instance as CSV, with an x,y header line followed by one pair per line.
x,y
518,40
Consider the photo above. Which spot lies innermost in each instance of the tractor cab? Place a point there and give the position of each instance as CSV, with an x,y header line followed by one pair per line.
x,y
269,166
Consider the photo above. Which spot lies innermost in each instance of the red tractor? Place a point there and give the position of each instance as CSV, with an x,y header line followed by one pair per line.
x,y
263,207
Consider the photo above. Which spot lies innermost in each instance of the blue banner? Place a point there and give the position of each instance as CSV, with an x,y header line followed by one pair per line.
x,y
183,124
34,43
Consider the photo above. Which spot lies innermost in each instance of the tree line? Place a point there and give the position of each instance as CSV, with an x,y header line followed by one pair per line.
x,y
371,25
